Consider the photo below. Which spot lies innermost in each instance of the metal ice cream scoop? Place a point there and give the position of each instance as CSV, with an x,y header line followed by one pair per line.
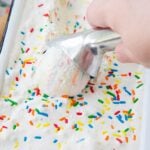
x,y
87,48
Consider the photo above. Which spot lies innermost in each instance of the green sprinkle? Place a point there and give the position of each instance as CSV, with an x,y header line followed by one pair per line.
x,y
80,95
77,129
111,94
29,91
41,29
126,130
137,76
37,110
91,116
100,101
14,126
22,50
139,85
76,104
11,101
45,96
130,110
135,100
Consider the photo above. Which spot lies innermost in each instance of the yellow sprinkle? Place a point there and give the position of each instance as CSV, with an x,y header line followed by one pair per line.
x,y
38,125
16,145
35,48
90,121
59,146
40,38
132,129
30,59
80,123
104,132
107,100
117,81
116,135
46,124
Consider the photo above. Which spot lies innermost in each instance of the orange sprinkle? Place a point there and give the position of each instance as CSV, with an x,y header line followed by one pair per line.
x,y
17,124
10,95
32,112
103,83
134,137
112,127
24,75
53,105
106,78
126,139
133,92
107,138
115,86
65,96
31,123
81,98
123,75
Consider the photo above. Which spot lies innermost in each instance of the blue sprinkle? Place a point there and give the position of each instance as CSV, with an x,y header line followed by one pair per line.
x,y
38,137
125,89
91,126
80,140
75,126
7,72
60,104
55,141
23,33
126,117
33,94
25,139
55,106
110,117
114,70
23,43
99,114
43,114
115,64
27,107
122,102
100,86
119,102
85,103
20,71
119,117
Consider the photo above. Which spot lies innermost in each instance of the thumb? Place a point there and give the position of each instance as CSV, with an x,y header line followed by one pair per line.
x,y
96,13
104,13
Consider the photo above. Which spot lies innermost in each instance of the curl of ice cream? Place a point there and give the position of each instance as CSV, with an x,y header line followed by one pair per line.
x,y
58,75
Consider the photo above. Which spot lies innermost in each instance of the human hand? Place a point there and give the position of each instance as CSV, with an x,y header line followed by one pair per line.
x,y
3,20
131,19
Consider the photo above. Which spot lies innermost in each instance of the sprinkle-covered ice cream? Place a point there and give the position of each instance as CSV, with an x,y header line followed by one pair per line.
x,y
106,115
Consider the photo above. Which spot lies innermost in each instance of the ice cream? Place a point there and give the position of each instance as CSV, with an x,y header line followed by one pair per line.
x,y
106,115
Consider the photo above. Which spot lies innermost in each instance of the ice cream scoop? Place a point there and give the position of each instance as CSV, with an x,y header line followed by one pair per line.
x,y
68,63
86,49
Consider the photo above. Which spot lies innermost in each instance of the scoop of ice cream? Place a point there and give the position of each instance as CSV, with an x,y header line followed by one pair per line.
x,y
58,75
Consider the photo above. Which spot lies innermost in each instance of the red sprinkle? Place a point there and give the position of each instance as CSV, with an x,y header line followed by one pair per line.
x,y
2,117
17,79
38,92
79,113
46,15
91,89
31,30
27,50
117,112
40,5
119,140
